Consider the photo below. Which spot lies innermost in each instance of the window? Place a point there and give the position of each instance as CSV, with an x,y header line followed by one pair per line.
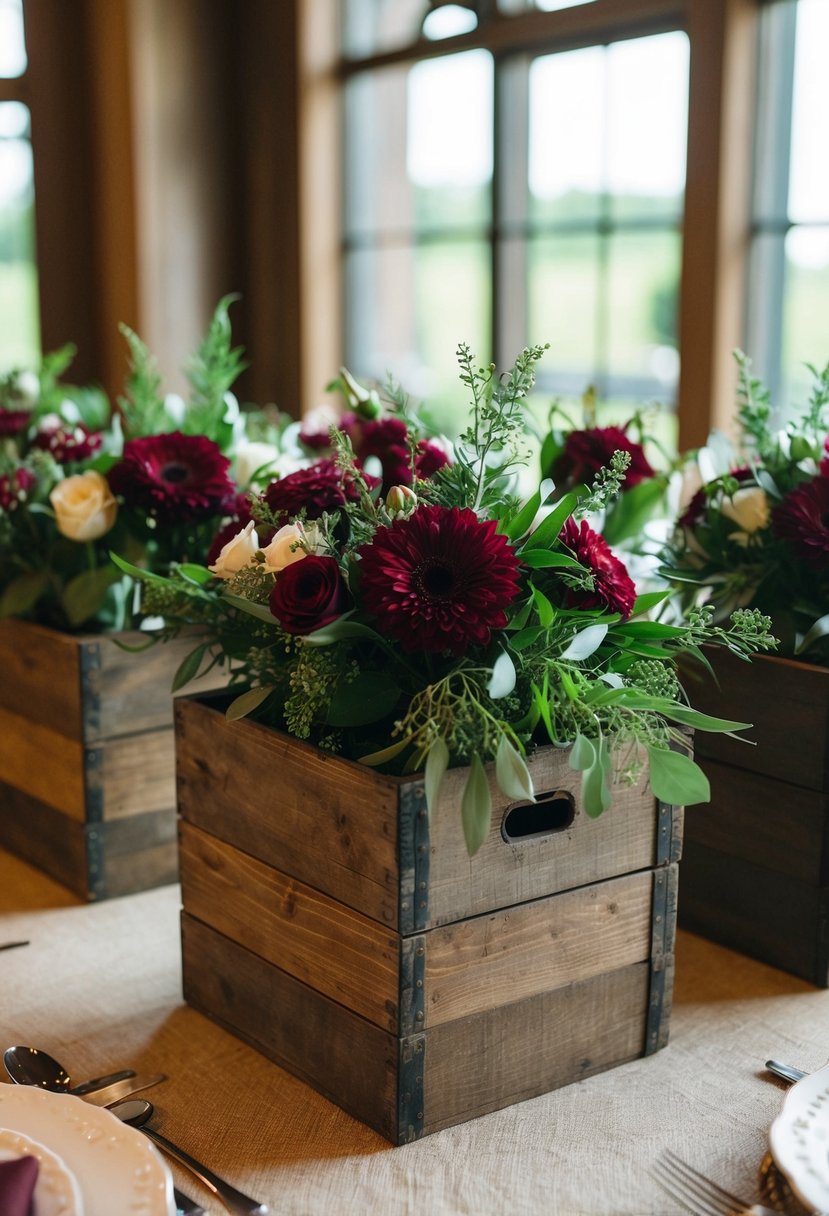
x,y
504,193
788,292
19,320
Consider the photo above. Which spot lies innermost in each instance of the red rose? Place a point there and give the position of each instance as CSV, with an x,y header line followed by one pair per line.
x,y
308,594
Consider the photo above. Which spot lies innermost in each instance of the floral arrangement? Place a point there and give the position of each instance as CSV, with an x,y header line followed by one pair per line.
x,y
443,620
756,532
572,456
152,478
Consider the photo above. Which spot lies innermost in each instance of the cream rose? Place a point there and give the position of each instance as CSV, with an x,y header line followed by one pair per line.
x,y
84,505
252,456
290,544
749,508
239,552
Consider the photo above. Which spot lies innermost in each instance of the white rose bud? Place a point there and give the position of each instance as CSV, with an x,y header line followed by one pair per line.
x,y
239,552
85,507
748,507
285,548
250,457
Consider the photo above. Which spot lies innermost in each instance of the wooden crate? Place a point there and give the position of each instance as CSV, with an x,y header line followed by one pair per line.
x,y
755,872
328,923
87,768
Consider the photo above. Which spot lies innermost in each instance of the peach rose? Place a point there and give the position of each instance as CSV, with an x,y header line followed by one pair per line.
x,y
85,507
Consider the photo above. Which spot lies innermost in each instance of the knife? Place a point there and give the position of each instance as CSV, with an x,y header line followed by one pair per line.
x,y
122,1089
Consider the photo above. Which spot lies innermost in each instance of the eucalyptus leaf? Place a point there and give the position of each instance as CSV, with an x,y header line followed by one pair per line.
x,y
386,753
476,807
547,558
135,571
585,643
544,608
23,592
437,763
339,630
503,678
817,631
583,753
548,530
196,574
261,611
675,778
84,595
512,773
248,702
594,791
648,600
188,668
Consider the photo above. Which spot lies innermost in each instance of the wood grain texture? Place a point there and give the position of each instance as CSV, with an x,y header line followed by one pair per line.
x,y
42,762
323,943
135,774
41,676
45,837
502,874
133,854
479,1064
338,825
327,822
494,960
757,911
788,704
766,822
470,1066
343,1056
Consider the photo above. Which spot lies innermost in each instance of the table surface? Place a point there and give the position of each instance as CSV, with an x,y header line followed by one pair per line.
x,y
99,987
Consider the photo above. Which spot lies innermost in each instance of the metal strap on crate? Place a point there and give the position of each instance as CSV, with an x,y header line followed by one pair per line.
x,y
413,857
663,932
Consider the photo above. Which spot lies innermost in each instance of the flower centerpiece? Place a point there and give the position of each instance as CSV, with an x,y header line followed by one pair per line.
x,y
155,478
754,536
442,621
755,532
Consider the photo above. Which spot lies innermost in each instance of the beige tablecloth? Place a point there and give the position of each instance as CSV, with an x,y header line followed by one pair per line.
x,y
99,987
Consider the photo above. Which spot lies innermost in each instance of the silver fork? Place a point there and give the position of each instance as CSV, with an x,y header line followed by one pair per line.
x,y
699,1194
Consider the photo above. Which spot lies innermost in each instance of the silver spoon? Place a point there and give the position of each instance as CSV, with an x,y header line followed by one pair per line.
x,y
28,1066
137,1111
786,1072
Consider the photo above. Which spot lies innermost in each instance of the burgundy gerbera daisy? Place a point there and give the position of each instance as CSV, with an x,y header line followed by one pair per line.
x,y
439,579
586,452
175,478
613,587
321,487
67,442
14,488
803,519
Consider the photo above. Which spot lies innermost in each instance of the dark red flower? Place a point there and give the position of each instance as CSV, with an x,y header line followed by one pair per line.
x,y
321,487
14,488
586,452
68,443
175,478
308,594
613,588
439,579
694,513
803,519
12,422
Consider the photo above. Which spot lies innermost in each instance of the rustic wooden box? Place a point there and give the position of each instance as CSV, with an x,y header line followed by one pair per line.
x,y
87,767
755,873
330,925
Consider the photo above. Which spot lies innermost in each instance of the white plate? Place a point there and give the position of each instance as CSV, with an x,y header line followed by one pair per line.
x,y
56,1191
116,1167
799,1139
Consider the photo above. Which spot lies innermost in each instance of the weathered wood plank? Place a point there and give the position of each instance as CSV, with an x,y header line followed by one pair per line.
x,y
133,854
502,874
493,960
41,676
766,822
42,762
755,910
343,1056
788,704
339,952
134,774
479,1064
44,837
328,822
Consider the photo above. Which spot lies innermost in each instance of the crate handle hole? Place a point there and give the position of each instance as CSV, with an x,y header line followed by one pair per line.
x,y
551,812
